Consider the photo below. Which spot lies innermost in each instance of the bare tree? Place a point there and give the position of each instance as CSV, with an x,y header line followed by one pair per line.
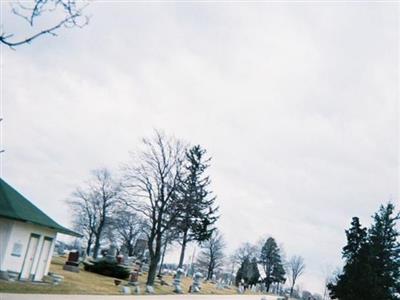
x,y
246,250
296,267
95,203
152,180
84,219
127,227
67,14
211,257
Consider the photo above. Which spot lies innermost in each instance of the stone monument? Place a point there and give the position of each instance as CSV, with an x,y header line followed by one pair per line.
x,y
177,281
72,263
196,286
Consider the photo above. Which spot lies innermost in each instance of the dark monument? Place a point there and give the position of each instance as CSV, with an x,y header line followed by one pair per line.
x,y
72,263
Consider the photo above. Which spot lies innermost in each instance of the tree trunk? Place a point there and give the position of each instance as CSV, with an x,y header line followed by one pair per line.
x,y
291,290
96,246
154,259
130,249
162,258
89,245
210,270
268,284
182,256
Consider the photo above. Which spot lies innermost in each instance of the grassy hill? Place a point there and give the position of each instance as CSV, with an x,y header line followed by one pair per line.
x,y
90,283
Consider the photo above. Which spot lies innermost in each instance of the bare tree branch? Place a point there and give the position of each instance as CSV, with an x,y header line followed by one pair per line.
x,y
69,10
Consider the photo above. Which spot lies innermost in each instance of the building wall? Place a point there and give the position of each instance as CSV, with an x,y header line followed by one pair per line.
x,y
5,231
19,236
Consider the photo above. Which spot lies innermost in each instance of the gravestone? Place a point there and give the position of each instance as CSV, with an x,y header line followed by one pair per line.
x,y
72,263
213,278
149,289
126,290
241,287
134,278
111,255
196,286
177,281
134,281
220,284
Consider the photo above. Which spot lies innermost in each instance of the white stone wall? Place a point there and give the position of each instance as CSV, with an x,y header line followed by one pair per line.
x,y
20,233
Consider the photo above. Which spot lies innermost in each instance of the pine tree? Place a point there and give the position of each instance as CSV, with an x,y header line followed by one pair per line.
x,y
271,261
356,237
385,253
278,273
248,271
254,274
196,202
357,274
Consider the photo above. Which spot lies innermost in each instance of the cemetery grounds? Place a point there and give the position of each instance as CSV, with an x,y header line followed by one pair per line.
x,y
90,283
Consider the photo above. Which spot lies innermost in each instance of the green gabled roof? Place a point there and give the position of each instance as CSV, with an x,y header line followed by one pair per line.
x,y
15,206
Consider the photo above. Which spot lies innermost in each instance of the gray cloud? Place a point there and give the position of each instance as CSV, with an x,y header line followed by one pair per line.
x,y
297,104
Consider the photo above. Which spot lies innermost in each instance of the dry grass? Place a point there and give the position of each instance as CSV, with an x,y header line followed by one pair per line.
x,y
91,283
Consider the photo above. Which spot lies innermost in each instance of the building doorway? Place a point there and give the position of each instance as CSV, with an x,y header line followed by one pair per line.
x,y
43,258
30,256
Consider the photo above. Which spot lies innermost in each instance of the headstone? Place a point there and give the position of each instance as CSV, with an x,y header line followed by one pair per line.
x,y
126,290
213,278
120,259
72,263
240,289
220,284
196,286
134,278
137,290
111,255
177,281
149,289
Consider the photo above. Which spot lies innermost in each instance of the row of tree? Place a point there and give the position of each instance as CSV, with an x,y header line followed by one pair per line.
x,y
163,193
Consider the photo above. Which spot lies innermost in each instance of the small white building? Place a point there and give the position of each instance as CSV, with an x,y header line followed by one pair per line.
x,y
27,236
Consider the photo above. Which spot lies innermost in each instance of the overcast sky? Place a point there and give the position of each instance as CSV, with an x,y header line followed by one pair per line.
x,y
296,103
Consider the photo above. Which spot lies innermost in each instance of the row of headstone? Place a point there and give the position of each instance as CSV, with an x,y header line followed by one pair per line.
x,y
255,288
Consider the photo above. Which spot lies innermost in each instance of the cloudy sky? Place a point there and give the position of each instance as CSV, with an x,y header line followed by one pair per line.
x,y
296,102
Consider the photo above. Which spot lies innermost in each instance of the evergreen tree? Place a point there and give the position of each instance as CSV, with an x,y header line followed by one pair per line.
x,y
357,274
248,271
254,274
372,260
278,273
196,202
356,237
271,261
385,253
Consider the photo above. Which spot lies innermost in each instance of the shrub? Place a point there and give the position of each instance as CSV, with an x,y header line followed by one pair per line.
x,y
106,268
